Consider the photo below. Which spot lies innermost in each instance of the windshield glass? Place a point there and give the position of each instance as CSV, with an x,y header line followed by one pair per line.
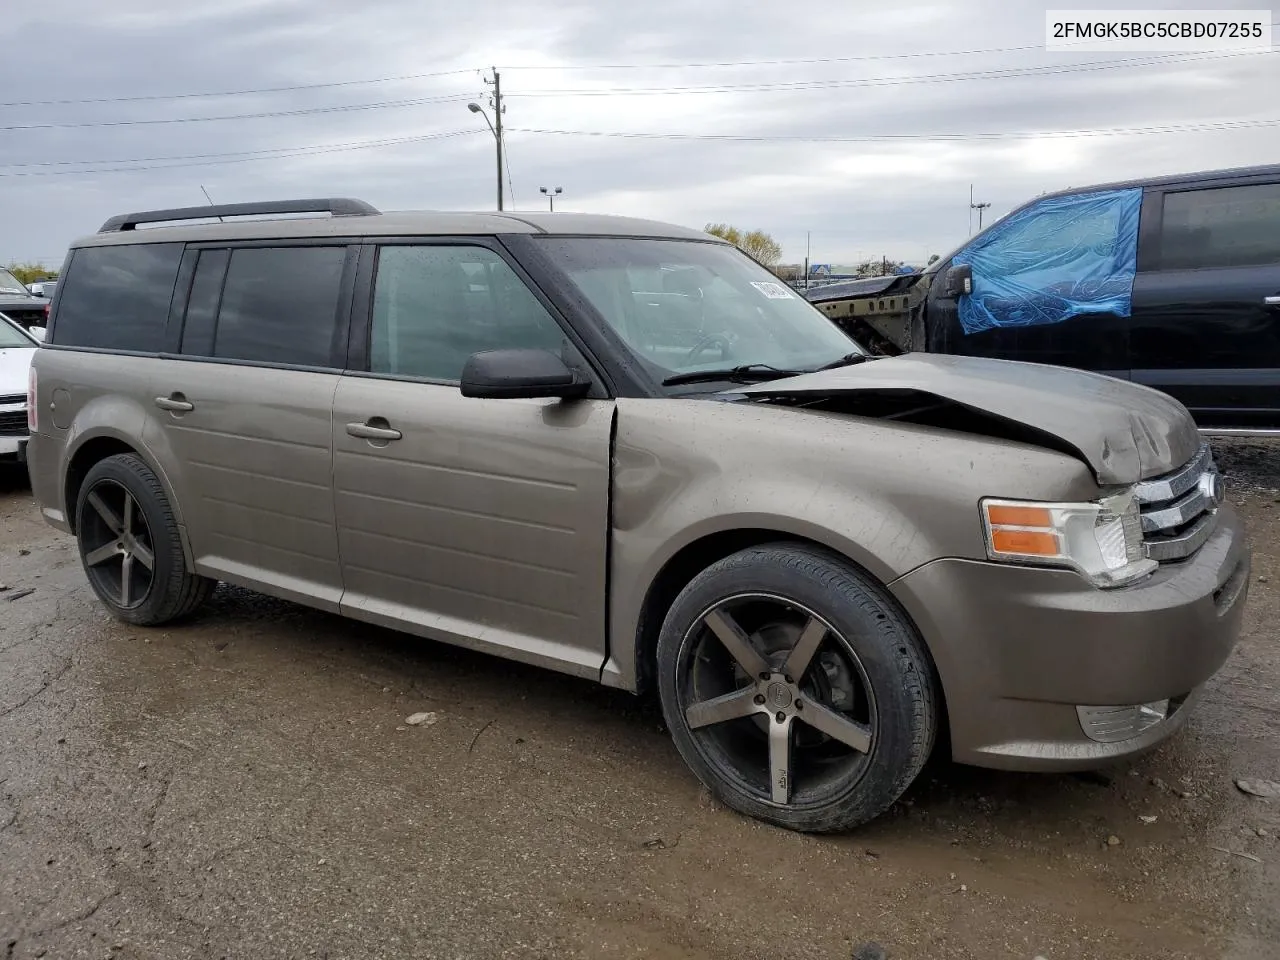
x,y
12,337
682,306
9,283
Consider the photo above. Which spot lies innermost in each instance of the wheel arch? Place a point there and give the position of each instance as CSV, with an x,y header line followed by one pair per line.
x,y
92,448
693,557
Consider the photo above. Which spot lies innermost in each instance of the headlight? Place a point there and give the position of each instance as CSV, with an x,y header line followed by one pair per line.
x,y
1101,540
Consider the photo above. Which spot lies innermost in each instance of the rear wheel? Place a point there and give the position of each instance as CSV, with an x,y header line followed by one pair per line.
x,y
795,688
131,546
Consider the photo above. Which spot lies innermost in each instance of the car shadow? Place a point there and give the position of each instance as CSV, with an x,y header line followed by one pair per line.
x,y
14,478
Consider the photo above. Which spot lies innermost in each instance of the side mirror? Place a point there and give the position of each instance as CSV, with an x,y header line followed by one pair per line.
x,y
37,332
515,374
959,280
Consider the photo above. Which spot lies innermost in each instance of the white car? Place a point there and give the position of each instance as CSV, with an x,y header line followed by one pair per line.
x,y
17,347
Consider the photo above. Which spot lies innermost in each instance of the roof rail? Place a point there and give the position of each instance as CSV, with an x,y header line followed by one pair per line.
x,y
337,206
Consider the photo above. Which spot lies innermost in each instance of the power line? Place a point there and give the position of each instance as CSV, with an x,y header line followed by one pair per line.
x,y
1190,127
293,88
696,65
302,112
281,153
216,159
344,145
803,85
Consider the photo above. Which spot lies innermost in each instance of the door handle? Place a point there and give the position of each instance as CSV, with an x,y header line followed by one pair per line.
x,y
175,403
1271,301
370,431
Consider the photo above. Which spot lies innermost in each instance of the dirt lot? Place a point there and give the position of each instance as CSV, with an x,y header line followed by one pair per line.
x,y
245,786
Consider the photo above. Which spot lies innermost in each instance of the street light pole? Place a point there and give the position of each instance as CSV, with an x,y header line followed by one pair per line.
x,y
551,195
496,131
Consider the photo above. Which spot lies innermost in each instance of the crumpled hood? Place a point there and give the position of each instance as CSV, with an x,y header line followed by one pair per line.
x,y
1125,432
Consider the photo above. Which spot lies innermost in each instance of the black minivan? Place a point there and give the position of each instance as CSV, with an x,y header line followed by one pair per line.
x,y
1172,282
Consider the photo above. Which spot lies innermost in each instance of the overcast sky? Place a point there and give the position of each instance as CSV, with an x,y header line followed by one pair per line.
x,y
60,163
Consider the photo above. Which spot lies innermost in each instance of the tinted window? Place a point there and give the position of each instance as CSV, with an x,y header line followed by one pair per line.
x,y
435,306
118,297
1224,227
202,305
280,305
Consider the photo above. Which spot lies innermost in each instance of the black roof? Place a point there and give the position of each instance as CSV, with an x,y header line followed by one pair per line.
x,y
1173,179
1271,170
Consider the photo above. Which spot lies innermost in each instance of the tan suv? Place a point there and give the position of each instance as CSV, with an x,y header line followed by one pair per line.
x,y
625,451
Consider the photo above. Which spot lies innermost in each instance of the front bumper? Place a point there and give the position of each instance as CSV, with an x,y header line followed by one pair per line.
x,y
13,448
1019,649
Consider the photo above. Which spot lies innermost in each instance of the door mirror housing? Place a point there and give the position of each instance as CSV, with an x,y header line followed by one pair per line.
x,y
517,374
37,332
959,280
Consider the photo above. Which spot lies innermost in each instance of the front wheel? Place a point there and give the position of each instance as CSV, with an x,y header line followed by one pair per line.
x,y
795,689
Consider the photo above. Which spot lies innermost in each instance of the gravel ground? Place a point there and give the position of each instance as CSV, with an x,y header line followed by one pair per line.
x,y
245,786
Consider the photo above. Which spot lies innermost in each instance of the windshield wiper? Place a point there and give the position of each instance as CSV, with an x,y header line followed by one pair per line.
x,y
848,360
746,373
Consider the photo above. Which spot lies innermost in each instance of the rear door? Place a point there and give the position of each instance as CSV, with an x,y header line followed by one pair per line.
x,y
242,409
1206,301
475,521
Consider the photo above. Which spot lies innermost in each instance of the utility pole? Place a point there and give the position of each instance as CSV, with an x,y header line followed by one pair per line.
x,y
806,259
495,125
497,122
975,206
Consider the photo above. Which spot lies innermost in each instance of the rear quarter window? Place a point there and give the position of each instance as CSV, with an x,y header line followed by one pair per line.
x,y
117,298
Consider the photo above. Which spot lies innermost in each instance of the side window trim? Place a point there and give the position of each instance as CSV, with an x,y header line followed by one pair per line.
x,y
361,329
180,301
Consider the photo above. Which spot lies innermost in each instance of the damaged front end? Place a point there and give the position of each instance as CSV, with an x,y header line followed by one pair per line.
x,y
1124,432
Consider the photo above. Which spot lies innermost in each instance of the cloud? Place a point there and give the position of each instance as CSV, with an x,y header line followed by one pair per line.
x,y
903,199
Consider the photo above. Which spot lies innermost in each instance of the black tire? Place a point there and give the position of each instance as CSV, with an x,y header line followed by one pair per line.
x,y
173,591
859,625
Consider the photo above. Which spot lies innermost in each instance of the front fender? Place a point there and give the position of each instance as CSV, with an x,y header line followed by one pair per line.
x,y
890,497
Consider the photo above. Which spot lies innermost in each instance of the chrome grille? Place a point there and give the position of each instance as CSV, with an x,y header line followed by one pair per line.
x,y
1178,510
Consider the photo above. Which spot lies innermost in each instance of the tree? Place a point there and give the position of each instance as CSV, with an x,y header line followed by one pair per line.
x,y
31,272
755,243
877,268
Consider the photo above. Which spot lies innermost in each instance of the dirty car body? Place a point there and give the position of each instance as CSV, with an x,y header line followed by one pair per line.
x,y
622,450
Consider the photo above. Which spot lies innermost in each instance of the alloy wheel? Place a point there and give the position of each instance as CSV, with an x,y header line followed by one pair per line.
x,y
116,545
778,699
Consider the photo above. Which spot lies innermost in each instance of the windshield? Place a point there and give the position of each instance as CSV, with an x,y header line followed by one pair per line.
x,y
9,283
683,306
10,336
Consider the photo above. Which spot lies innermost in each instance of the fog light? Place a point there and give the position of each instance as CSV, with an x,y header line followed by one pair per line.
x,y
1113,724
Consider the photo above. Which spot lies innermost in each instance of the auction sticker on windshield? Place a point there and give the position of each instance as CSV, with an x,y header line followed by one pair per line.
x,y
774,291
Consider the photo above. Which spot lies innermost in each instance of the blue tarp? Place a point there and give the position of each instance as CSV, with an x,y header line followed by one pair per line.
x,y
1056,259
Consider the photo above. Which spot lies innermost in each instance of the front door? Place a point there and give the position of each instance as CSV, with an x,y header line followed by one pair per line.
x,y
1206,303
1051,285
477,522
